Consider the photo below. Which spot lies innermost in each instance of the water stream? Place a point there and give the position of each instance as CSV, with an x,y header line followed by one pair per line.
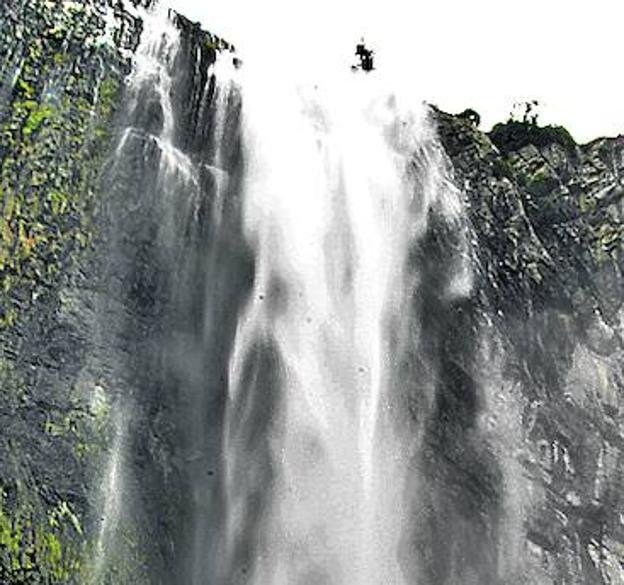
x,y
272,250
340,182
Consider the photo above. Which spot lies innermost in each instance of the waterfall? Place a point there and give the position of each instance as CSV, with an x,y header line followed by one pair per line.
x,y
276,252
340,182
271,319
170,218
151,75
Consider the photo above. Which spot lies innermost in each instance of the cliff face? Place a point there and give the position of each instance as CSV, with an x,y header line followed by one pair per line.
x,y
63,105
547,220
61,77
87,269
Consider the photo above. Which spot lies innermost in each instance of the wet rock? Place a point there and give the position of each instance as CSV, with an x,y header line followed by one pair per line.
x,y
548,222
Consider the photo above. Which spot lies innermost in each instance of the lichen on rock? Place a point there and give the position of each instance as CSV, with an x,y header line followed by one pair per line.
x,y
62,70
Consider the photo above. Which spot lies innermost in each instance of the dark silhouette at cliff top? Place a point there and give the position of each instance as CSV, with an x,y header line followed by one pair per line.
x,y
365,56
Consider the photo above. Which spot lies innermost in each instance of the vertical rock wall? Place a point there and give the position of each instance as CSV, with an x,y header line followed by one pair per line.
x,y
547,216
63,70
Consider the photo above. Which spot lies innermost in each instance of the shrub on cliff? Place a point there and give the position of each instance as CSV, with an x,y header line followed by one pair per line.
x,y
513,135
471,115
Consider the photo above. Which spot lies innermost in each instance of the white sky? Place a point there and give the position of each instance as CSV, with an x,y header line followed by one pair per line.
x,y
484,54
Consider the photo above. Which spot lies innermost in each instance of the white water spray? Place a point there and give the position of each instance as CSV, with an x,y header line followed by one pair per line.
x,y
339,184
334,201
172,195
151,69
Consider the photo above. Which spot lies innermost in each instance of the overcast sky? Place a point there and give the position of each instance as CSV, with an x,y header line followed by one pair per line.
x,y
484,54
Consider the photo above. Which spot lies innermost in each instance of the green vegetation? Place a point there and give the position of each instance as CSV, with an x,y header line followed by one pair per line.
x,y
36,546
522,129
88,429
39,114
513,135
55,130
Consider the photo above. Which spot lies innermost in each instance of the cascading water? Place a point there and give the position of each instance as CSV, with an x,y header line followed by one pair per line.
x,y
255,334
274,268
170,211
340,182
151,73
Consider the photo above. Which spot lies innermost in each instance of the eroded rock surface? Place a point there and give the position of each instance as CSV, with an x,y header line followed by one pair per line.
x,y
547,219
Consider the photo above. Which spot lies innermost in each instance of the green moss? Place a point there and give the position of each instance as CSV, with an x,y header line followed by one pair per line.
x,y
539,177
89,429
587,203
26,88
54,138
37,117
58,202
38,547
55,132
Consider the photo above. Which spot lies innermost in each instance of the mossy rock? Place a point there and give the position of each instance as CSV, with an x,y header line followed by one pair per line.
x,y
513,135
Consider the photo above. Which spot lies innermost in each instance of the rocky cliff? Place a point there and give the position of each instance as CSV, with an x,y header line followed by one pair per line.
x,y
64,70
546,220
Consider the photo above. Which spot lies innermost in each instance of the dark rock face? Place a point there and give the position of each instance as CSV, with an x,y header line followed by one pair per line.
x,y
547,223
104,309
62,67
87,302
